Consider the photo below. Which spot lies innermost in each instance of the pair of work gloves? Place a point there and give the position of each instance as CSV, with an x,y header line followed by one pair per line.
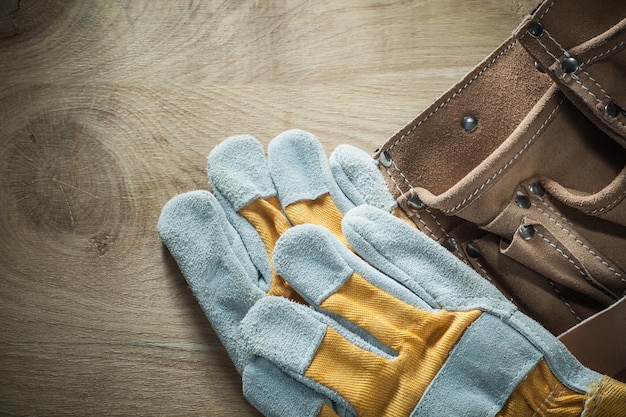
x,y
331,303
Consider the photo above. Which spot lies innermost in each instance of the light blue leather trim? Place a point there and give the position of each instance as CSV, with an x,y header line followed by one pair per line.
x,y
561,362
482,371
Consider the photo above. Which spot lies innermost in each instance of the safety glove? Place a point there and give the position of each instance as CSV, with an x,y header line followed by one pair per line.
x,y
223,241
401,327
422,332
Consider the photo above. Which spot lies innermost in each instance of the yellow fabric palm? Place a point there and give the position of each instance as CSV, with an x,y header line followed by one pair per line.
x,y
423,341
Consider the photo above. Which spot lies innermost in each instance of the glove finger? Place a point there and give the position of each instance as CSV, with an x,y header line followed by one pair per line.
x,y
237,169
306,188
278,394
407,255
359,178
289,335
239,175
213,260
329,276
317,265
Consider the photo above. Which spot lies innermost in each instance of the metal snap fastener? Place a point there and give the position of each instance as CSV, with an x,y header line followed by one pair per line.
x,y
469,123
539,67
527,232
610,109
569,65
385,159
535,29
415,202
537,189
522,200
473,250
449,243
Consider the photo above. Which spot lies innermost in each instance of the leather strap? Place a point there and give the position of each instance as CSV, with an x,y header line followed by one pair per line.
x,y
600,341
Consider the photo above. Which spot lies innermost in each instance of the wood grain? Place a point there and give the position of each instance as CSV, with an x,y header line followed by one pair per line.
x,y
108,109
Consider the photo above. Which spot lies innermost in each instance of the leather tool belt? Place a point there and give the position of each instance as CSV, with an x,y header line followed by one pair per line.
x,y
520,170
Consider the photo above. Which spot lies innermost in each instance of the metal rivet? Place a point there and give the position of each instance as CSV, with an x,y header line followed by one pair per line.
x,y
522,200
539,67
527,232
537,189
415,202
473,250
385,159
569,65
535,29
469,123
450,244
610,109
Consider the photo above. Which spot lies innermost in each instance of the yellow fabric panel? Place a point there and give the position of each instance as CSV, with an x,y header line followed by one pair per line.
x,y
606,399
327,411
322,211
374,385
269,221
542,395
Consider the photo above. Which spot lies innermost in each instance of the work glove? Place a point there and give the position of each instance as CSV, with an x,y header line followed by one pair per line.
x,y
402,328
223,241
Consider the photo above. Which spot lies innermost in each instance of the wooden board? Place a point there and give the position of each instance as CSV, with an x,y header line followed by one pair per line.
x,y
109,108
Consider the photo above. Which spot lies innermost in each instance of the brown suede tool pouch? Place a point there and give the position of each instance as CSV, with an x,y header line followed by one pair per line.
x,y
520,169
